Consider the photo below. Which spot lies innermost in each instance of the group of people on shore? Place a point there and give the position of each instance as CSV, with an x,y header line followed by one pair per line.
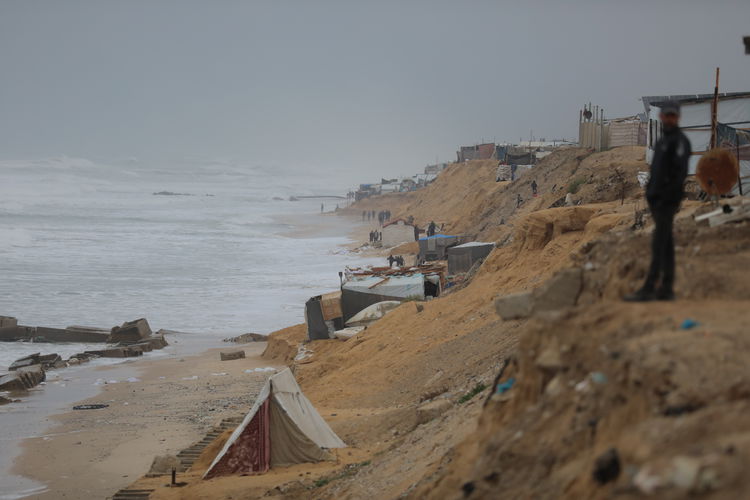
x,y
376,236
383,216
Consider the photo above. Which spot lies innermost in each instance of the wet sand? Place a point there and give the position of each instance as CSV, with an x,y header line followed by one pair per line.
x,y
173,403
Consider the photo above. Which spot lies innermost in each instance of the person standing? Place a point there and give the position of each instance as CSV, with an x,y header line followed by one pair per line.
x,y
533,187
321,208
363,215
664,193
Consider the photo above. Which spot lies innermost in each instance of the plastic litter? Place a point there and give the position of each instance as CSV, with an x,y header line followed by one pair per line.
x,y
505,386
90,407
688,324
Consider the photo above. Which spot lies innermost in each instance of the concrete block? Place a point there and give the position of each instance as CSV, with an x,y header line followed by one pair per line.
x,y
560,291
514,306
229,356
432,410
130,331
6,321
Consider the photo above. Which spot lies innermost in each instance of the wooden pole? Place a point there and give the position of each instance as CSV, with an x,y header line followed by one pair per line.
x,y
715,111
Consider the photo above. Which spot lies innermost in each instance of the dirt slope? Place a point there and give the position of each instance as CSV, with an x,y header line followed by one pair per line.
x,y
466,198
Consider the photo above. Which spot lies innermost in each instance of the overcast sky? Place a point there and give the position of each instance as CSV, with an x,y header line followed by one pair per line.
x,y
369,87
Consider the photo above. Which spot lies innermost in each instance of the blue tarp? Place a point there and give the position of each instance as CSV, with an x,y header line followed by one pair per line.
x,y
437,236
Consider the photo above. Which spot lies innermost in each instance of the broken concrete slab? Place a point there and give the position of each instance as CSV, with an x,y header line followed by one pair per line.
x,y
16,333
118,352
431,410
514,306
248,337
560,291
46,361
22,379
229,356
6,321
130,332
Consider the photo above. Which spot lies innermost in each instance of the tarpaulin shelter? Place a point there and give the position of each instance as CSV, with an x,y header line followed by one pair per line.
x,y
435,247
363,291
462,257
323,315
283,428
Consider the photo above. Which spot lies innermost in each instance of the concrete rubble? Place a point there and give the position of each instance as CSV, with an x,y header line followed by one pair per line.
x,y
22,379
247,337
131,332
559,292
229,356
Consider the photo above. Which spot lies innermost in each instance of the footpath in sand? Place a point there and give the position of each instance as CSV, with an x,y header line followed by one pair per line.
x,y
600,399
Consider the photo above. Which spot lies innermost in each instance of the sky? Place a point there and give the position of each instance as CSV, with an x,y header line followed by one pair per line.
x,y
346,88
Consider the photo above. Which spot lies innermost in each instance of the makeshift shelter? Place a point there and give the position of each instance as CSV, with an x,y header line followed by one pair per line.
x,y
397,232
462,257
435,247
365,287
323,315
283,428
695,121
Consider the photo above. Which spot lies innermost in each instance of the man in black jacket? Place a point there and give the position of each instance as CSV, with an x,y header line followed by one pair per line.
x,y
669,167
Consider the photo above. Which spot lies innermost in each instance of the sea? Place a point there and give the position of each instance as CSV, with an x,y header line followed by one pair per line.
x,y
211,248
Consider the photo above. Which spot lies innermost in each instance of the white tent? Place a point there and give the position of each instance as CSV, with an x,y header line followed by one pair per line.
x,y
282,428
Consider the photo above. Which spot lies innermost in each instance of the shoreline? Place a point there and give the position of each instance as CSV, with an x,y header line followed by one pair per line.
x,y
167,405
132,448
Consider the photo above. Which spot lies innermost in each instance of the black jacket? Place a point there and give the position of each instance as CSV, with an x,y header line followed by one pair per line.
x,y
669,168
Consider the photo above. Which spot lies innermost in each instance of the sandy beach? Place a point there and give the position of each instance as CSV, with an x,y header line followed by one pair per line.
x,y
168,405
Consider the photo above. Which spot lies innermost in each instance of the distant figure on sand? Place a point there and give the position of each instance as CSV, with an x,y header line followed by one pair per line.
x,y
363,215
519,200
391,260
321,208
664,193
533,187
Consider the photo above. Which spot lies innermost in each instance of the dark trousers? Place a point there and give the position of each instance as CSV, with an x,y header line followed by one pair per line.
x,y
662,249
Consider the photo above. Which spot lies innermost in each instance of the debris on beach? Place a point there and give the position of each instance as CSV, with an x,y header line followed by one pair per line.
x,y
230,356
97,406
246,338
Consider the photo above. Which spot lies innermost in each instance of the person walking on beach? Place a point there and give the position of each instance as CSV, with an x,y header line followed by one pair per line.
x,y
664,193
519,200
363,215
533,187
391,260
321,208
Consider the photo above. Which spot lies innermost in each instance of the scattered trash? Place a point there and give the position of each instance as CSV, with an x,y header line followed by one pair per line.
x,y
90,407
219,374
505,386
133,379
607,466
688,324
599,378
257,370
194,377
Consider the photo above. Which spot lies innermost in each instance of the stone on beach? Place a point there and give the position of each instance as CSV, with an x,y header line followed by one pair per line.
x,y
247,337
431,410
22,379
130,332
229,356
47,361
